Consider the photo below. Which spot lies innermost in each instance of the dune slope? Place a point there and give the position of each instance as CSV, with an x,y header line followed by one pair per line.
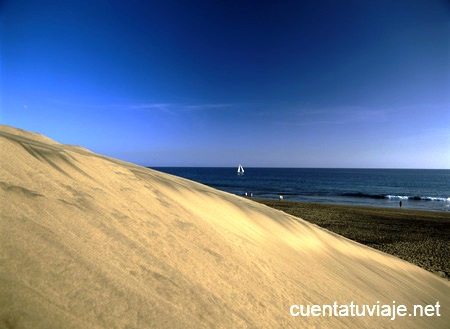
x,y
87,241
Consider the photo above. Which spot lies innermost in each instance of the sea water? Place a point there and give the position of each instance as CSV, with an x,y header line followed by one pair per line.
x,y
415,188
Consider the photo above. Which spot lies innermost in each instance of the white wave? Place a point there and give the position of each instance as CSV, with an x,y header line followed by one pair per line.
x,y
425,198
429,198
398,197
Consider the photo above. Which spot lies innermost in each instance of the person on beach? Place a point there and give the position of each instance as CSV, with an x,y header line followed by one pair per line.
x,y
400,203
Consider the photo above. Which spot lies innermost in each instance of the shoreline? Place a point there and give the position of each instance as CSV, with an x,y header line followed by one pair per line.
x,y
379,201
421,237
351,205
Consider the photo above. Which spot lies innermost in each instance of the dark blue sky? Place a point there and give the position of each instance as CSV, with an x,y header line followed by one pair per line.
x,y
217,83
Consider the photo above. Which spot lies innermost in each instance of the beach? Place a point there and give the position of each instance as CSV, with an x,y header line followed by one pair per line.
x,y
419,237
89,241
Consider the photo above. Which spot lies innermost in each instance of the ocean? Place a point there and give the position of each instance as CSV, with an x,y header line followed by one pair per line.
x,y
415,188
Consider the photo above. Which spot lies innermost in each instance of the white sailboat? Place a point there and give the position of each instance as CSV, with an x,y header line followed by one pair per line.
x,y
240,170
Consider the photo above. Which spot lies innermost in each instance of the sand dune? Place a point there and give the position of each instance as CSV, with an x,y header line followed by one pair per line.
x,y
87,241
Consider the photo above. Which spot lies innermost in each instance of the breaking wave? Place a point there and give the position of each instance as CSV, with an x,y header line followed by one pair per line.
x,y
398,197
424,198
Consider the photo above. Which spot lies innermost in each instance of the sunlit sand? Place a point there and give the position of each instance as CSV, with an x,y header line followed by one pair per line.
x,y
89,241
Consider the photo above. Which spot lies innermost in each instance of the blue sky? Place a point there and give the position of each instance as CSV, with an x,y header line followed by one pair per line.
x,y
360,84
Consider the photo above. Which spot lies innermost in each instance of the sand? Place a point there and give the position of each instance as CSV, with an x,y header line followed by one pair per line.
x,y
87,241
417,236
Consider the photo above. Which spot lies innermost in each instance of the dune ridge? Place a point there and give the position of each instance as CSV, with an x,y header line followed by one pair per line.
x,y
87,241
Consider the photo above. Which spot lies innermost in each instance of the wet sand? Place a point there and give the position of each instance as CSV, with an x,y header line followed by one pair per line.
x,y
419,237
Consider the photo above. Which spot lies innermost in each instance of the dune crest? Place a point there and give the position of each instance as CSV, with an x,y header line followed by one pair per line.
x,y
88,241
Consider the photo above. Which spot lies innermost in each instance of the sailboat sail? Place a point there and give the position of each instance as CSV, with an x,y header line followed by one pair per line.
x,y
240,170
